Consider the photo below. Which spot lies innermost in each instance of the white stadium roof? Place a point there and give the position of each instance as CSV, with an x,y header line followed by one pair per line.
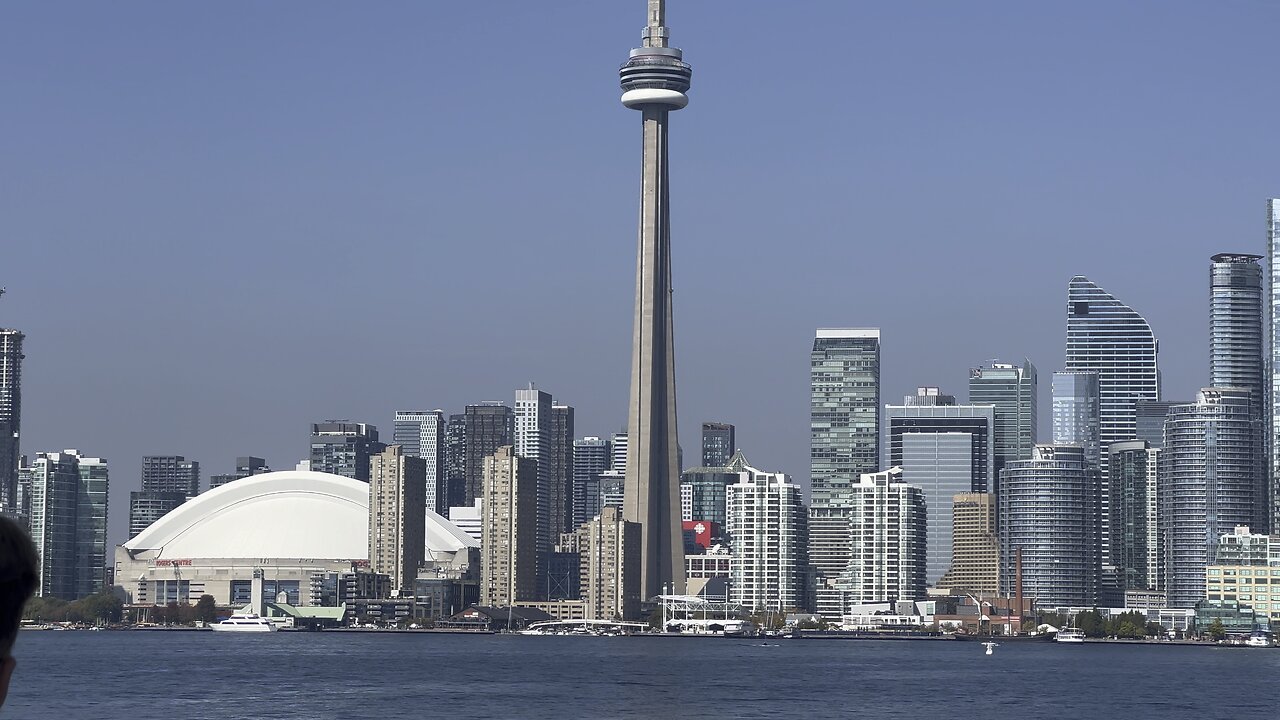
x,y
289,514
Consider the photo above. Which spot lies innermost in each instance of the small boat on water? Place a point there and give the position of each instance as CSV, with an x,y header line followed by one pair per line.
x,y
991,647
1070,635
244,622
1260,638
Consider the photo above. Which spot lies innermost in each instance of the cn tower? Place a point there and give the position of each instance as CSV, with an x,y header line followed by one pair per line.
x,y
654,81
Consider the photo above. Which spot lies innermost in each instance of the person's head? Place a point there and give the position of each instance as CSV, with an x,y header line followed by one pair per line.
x,y
18,568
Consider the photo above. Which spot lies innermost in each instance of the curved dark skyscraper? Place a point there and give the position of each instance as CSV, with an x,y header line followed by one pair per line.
x,y
654,81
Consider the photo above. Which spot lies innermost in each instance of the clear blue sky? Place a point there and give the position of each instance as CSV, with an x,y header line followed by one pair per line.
x,y
221,222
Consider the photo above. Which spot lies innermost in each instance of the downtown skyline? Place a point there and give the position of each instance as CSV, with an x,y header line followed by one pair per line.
x,y
215,361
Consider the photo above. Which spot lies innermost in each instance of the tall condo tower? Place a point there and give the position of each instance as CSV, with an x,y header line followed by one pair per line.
x,y
1273,364
1235,351
654,81
10,415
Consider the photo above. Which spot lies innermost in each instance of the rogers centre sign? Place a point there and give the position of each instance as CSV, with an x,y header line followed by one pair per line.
x,y
167,563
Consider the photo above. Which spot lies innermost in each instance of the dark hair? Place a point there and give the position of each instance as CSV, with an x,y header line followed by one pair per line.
x,y
18,568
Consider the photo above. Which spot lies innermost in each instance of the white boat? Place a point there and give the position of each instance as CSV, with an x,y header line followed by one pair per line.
x,y
244,622
991,647
1070,635
1260,638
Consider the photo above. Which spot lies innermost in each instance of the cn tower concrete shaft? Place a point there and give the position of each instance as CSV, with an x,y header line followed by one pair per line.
x,y
654,81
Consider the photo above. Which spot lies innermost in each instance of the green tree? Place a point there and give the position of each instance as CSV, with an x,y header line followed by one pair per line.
x,y
1091,623
1155,629
206,609
1216,631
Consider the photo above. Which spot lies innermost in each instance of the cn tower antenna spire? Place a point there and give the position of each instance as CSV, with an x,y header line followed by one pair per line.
x,y
655,34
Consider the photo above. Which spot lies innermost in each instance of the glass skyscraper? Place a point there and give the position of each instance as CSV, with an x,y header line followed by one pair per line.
x,y
10,416
1075,413
1012,389
1136,540
421,434
1235,352
717,444
844,410
944,449
844,423
1107,337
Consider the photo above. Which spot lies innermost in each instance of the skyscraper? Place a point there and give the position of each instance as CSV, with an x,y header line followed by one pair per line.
x,y
10,416
343,448
509,525
421,434
456,459
167,482
1013,390
943,449
1151,415
489,426
1273,365
1076,410
844,410
766,519
397,517
68,520
1235,353
590,461
975,549
1210,486
1050,510
654,81
533,442
844,444
561,469
706,489
1107,337
1136,545
717,444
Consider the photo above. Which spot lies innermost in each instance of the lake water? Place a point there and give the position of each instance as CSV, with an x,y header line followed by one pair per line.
x,y
186,675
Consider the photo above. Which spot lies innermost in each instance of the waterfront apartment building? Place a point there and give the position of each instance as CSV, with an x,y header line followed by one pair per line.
x,y
509,519
1208,466
975,548
489,426
423,434
343,448
766,521
718,444
533,442
888,541
1246,570
1136,545
167,482
1149,418
68,522
1050,510
703,494
1236,355
1013,391
397,516
608,548
943,449
10,417
591,457
844,444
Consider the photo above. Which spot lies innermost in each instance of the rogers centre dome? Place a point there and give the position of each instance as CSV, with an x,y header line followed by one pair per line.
x,y
297,527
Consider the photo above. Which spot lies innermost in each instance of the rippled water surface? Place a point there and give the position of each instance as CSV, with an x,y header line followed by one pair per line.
x,y
141,675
